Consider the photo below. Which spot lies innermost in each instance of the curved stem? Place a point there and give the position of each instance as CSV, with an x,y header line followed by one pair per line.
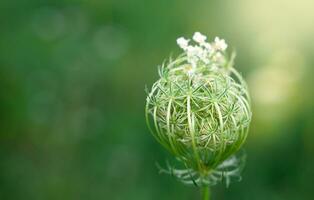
x,y
206,193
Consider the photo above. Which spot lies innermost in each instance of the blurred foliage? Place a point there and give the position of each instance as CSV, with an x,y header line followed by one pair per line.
x,y
72,78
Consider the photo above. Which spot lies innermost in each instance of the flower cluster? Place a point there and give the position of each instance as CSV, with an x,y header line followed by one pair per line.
x,y
202,52
199,110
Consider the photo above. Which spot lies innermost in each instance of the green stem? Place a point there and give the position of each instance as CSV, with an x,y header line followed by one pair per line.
x,y
206,193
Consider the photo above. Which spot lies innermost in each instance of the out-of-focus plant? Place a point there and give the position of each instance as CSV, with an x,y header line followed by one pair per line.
x,y
199,110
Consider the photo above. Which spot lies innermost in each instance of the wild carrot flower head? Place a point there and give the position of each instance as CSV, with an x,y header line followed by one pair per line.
x,y
199,110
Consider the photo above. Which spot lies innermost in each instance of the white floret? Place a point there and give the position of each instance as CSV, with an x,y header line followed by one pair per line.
x,y
183,43
220,44
199,38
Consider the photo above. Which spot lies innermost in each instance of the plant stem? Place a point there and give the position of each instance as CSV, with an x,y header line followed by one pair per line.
x,y
206,193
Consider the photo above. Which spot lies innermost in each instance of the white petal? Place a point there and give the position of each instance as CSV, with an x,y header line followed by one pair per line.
x,y
220,44
199,38
183,43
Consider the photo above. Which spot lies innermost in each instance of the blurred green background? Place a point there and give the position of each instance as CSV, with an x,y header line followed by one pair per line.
x,y
72,79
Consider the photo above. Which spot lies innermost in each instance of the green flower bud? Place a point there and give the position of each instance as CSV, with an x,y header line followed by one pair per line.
x,y
199,110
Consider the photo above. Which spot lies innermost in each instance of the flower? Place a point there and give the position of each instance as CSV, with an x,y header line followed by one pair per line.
x,y
190,50
199,38
200,111
202,52
194,54
194,51
183,43
220,44
208,46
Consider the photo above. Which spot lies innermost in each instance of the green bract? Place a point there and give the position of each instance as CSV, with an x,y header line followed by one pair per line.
x,y
202,117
